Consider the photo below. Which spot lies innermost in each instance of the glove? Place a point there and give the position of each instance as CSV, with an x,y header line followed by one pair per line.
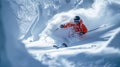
x,y
81,33
62,26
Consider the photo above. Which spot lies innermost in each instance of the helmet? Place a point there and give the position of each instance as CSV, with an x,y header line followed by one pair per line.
x,y
77,19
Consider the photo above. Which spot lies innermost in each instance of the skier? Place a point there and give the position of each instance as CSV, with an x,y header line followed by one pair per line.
x,y
78,26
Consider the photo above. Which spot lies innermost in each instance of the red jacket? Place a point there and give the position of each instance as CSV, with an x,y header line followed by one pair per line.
x,y
80,27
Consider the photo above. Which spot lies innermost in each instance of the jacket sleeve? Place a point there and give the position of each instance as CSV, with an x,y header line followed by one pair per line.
x,y
68,25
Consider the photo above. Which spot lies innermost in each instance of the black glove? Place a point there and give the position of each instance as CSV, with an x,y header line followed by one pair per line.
x,y
62,26
81,33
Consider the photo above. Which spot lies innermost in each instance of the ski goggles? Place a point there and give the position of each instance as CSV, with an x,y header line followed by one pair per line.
x,y
76,21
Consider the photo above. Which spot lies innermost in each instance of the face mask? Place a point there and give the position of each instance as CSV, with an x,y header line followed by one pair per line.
x,y
76,21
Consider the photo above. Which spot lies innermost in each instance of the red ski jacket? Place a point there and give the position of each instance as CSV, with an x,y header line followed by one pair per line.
x,y
80,27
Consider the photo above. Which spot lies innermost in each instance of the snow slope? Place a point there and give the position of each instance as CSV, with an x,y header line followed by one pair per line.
x,y
34,22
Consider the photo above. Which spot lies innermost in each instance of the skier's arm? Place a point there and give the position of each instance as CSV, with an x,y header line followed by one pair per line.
x,y
67,25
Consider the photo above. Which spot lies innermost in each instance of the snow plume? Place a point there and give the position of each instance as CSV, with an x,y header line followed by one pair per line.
x,y
93,17
90,16
54,61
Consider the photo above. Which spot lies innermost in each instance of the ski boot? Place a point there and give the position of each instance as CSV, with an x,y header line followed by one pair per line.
x,y
64,44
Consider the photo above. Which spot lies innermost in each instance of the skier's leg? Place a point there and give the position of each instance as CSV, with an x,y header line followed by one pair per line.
x,y
63,42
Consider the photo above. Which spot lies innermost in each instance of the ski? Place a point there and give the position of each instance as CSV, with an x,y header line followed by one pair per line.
x,y
55,46
63,45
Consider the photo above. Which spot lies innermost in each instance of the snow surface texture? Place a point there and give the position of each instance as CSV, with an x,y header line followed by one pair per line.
x,y
36,28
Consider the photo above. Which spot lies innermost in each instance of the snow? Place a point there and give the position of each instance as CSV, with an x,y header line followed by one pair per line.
x,y
93,47
32,28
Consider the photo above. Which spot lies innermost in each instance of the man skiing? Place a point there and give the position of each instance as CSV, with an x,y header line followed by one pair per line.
x,y
78,26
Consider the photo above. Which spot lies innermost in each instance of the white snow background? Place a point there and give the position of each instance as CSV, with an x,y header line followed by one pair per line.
x,y
29,28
